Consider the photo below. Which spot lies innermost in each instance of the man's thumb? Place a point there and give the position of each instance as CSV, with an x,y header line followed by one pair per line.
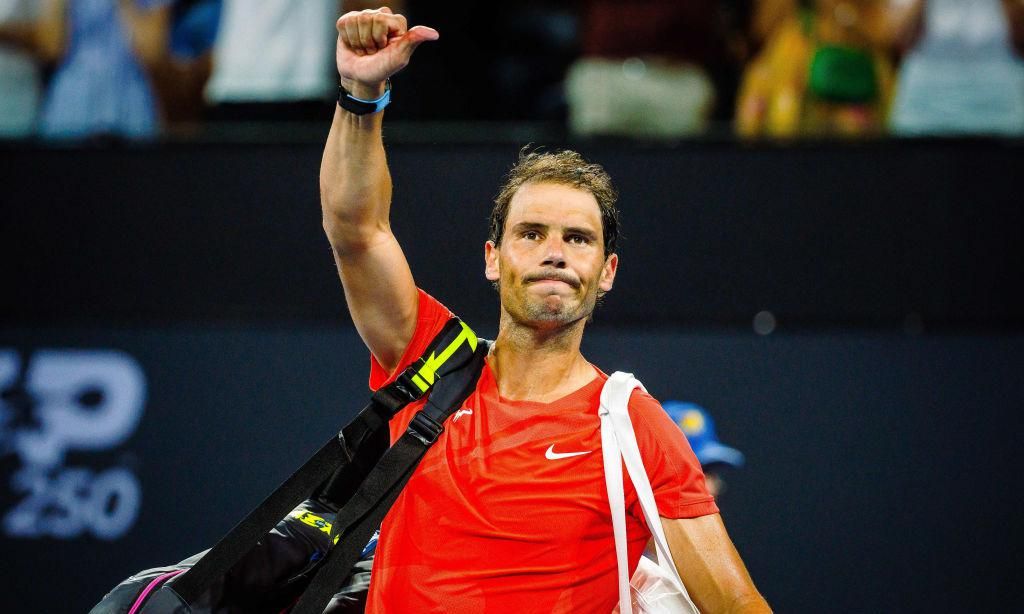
x,y
416,36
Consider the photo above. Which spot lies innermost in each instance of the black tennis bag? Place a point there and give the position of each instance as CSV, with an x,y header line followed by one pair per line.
x,y
269,578
308,547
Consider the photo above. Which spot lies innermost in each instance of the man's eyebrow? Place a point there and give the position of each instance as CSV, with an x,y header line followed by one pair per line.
x,y
585,232
523,226
569,230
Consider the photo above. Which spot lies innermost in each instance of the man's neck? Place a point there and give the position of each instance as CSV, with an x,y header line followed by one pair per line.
x,y
543,365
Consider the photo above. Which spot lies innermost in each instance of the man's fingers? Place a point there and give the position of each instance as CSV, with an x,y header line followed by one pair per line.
x,y
366,32
386,9
366,38
379,33
350,37
400,25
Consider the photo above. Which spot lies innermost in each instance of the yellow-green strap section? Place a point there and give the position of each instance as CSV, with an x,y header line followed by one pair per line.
x,y
425,376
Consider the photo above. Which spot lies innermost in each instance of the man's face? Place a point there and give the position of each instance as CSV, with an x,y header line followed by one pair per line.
x,y
551,262
716,485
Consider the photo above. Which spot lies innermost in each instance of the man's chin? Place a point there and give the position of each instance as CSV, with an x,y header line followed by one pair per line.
x,y
545,310
554,304
553,311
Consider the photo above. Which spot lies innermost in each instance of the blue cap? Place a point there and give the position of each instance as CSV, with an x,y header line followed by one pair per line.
x,y
699,429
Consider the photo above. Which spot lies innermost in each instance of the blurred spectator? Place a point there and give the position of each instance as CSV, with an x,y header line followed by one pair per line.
x,y
194,28
962,76
699,429
180,80
19,72
105,48
274,60
536,41
1015,14
824,69
647,67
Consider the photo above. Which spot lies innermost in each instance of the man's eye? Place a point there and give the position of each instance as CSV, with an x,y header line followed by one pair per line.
x,y
578,239
531,235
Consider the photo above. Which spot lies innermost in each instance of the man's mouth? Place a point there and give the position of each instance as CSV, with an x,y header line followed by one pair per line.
x,y
552,277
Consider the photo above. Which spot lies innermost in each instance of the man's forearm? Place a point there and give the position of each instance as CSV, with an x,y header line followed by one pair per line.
x,y
355,185
752,604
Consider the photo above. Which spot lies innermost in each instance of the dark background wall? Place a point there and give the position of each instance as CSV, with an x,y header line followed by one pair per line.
x,y
819,234
880,418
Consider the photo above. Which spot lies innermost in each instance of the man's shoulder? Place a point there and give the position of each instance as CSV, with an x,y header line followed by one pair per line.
x,y
646,412
642,400
642,405
431,316
639,398
430,313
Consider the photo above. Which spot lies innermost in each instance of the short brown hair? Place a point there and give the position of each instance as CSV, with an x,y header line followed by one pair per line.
x,y
565,168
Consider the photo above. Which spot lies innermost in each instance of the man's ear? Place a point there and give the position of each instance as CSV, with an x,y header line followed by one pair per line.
x,y
611,265
492,270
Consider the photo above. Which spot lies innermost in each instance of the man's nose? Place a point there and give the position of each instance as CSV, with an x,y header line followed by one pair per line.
x,y
554,257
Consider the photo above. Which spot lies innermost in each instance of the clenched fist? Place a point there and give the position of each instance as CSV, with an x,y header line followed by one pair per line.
x,y
372,46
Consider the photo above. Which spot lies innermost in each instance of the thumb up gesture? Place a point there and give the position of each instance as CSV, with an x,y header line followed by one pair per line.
x,y
372,46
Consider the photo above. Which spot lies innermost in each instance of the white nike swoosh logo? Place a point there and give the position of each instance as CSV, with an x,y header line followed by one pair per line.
x,y
552,455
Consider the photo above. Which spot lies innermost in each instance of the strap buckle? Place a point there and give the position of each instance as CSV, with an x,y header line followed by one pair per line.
x,y
425,428
405,384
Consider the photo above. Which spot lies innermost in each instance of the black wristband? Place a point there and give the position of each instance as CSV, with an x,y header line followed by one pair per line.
x,y
358,106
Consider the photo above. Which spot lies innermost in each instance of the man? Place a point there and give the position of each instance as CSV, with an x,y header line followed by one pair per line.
x,y
507,511
713,455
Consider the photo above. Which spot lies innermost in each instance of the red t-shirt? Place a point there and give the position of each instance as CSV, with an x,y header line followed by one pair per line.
x,y
491,522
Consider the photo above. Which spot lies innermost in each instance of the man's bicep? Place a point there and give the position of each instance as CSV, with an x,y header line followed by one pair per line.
x,y
381,296
710,566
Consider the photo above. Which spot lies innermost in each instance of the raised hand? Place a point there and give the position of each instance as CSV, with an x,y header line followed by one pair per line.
x,y
372,46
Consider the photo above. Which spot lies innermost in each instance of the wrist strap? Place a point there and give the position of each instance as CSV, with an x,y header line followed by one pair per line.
x,y
358,106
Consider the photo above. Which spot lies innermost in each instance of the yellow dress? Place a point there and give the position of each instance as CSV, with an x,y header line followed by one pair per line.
x,y
774,100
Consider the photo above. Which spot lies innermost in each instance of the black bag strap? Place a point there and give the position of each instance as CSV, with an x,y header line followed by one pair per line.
x,y
340,464
359,518
452,349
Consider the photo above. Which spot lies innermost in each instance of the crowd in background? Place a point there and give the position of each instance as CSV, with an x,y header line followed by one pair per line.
x,y
138,69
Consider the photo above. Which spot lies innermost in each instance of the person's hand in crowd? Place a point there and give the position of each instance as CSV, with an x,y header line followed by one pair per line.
x,y
372,46
1015,15
149,30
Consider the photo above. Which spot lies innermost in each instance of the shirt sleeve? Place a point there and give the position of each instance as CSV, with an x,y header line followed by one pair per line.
x,y
431,316
675,474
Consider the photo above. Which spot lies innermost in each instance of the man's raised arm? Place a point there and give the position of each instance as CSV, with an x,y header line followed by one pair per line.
x,y
355,185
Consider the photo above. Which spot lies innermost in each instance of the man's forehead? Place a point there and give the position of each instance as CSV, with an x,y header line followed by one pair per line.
x,y
551,203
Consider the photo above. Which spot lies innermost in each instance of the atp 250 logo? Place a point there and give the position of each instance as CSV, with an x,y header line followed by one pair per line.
x,y
53,402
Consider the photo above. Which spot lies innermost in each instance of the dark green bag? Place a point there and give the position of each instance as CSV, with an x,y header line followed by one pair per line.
x,y
843,74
